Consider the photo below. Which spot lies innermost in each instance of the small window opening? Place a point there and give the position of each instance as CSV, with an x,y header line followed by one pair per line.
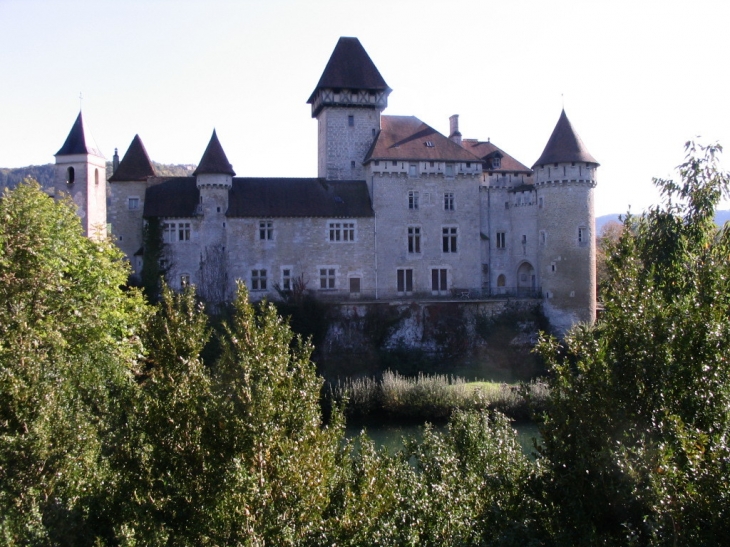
x,y
351,121
70,175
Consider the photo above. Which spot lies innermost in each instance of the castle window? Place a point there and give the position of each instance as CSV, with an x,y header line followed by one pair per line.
x,y
468,165
501,240
539,202
373,132
413,199
133,204
184,280
183,231
439,280
448,239
414,239
506,204
395,163
342,231
70,175
377,162
286,279
351,121
543,237
582,235
495,163
449,169
524,239
258,280
501,280
404,280
168,232
449,201
552,266
412,170
354,285
96,177
327,278
266,230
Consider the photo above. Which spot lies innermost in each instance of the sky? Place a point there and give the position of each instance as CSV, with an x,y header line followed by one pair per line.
x,y
637,79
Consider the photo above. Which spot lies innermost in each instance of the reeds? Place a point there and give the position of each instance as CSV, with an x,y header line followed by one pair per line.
x,y
432,397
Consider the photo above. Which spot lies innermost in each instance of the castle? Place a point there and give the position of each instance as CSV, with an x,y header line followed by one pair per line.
x,y
398,210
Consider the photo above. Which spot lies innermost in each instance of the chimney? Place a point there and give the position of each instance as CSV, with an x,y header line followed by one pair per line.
x,y
115,161
454,134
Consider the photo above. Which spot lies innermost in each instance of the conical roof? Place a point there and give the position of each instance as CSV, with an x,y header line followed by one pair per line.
x,y
350,67
135,164
76,142
214,160
564,145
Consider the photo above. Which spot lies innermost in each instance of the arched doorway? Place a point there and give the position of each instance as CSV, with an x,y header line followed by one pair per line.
x,y
526,280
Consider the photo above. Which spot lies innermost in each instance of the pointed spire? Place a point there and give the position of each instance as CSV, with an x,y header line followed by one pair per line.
x,y
76,142
135,164
564,145
214,160
350,67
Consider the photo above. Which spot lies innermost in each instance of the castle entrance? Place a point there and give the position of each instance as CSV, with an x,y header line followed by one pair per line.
x,y
526,280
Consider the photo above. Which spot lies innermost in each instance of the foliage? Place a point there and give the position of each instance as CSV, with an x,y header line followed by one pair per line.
x,y
464,487
68,346
154,267
636,433
235,454
609,236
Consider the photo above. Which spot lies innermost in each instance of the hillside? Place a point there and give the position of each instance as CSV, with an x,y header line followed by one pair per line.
x,y
10,177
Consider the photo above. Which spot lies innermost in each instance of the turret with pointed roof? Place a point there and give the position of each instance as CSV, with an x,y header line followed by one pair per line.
x,y
347,102
214,160
565,178
135,164
81,173
565,145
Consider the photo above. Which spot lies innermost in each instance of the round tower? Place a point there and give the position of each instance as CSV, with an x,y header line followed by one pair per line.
x,y
565,178
81,174
347,102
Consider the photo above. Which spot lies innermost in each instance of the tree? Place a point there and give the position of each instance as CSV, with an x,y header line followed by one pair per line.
x,y
609,236
69,337
636,435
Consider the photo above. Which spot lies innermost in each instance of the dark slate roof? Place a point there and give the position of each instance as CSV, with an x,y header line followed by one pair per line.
x,y
350,67
76,142
564,145
486,150
408,138
214,160
254,197
135,164
263,197
171,197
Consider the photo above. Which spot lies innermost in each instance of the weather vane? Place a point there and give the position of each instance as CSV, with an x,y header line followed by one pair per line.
x,y
81,98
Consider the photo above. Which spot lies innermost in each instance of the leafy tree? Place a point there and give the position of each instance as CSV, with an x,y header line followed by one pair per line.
x,y
234,454
68,344
636,436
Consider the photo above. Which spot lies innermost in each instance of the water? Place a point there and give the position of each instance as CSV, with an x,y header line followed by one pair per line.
x,y
390,436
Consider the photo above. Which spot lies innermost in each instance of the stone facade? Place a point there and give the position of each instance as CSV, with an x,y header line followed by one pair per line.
x,y
398,212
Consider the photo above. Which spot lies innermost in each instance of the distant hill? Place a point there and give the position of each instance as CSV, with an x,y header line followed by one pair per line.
x,y
10,177
721,217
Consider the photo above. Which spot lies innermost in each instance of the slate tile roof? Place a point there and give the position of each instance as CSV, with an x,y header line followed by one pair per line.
x,y
135,164
486,150
263,197
350,67
408,138
76,142
564,145
214,160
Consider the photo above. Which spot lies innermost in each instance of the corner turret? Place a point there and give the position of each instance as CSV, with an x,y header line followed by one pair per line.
x,y
565,178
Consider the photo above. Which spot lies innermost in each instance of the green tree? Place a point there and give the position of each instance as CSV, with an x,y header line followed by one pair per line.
x,y
68,347
235,453
636,435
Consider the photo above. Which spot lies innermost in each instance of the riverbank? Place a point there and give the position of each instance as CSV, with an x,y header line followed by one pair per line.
x,y
394,398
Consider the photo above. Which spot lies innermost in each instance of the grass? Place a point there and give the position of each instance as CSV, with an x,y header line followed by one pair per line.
x,y
432,397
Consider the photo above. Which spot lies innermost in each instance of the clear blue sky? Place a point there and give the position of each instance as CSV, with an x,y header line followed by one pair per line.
x,y
637,78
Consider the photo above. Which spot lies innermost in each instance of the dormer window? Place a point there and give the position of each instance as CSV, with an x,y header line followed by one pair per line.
x,y
495,163
429,144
